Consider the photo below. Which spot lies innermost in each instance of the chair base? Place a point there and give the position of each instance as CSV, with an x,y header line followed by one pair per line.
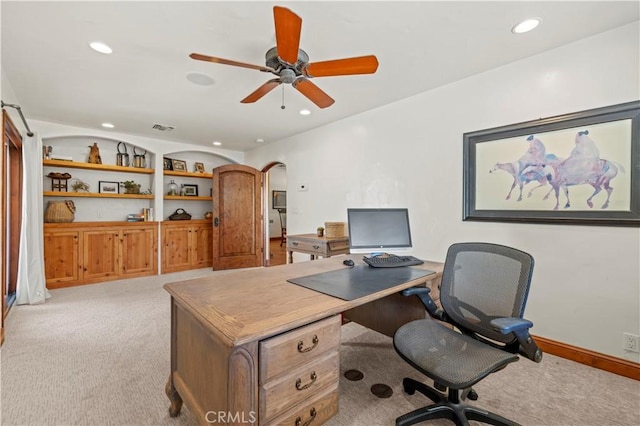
x,y
446,407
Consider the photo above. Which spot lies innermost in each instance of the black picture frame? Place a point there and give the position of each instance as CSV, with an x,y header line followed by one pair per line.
x,y
278,200
107,187
167,163
594,152
190,190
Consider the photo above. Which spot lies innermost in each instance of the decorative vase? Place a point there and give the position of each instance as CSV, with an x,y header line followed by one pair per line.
x,y
173,188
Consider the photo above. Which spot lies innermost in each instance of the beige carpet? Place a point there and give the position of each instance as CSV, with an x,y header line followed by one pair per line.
x,y
99,355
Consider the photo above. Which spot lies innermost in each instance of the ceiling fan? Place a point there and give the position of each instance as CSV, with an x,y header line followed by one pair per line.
x,y
291,64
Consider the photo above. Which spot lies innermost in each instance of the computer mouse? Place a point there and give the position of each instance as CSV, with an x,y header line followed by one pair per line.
x,y
348,262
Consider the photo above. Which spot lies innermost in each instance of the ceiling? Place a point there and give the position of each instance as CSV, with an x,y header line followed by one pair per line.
x,y
419,45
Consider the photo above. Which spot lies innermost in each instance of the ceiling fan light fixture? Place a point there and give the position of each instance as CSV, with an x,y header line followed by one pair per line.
x,y
526,25
100,47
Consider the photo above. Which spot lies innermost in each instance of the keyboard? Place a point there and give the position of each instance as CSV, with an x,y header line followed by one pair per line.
x,y
391,261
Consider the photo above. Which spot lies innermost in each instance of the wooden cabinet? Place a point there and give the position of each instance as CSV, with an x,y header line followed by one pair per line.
x,y
91,252
186,244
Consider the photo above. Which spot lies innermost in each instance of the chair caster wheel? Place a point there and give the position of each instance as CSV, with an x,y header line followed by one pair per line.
x,y
473,395
409,388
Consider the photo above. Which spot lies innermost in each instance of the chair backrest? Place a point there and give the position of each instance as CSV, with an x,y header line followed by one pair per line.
x,y
483,281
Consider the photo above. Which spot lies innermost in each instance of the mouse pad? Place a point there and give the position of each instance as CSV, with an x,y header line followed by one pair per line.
x,y
359,281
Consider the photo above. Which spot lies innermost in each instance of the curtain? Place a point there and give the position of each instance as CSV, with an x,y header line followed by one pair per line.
x,y
31,287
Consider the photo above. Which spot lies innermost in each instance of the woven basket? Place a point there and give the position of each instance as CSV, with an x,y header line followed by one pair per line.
x,y
333,229
59,211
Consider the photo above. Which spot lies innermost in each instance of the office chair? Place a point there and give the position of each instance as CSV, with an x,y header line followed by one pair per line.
x,y
483,295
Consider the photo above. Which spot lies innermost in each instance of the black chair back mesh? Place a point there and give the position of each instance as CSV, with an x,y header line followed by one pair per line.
x,y
483,281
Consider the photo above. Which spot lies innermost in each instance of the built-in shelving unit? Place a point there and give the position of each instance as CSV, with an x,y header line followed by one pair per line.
x,y
72,194
187,198
188,174
92,166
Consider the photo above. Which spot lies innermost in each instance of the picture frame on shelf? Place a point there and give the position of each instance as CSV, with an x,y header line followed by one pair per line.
x,y
107,187
572,169
167,163
190,190
198,167
179,165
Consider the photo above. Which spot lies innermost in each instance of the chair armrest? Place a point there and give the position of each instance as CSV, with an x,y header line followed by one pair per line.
x,y
427,301
511,325
520,328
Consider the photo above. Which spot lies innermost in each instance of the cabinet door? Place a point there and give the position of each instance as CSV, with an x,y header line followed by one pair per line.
x,y
176,251
100,253
61,258
139,253
201,241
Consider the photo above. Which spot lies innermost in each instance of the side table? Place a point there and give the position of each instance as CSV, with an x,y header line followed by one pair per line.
x,y
317,246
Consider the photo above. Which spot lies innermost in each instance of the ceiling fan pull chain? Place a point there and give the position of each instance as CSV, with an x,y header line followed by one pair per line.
x,y
283,107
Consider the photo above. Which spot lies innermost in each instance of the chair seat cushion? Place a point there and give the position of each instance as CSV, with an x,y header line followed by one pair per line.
x,y
448,357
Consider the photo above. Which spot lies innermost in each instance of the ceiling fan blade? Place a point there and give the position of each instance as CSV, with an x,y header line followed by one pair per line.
x,y
313,92
347,66
288,26
261,91
200,57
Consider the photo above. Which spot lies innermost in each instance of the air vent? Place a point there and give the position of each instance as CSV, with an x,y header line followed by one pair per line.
x,y
163,127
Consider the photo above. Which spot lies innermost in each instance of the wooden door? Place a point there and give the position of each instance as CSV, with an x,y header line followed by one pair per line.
x,y
100,253
139,252
61,258
176,253
11,206
202,242
237,217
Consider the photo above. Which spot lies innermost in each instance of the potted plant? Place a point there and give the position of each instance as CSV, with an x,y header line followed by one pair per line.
x,y
320,231
130,187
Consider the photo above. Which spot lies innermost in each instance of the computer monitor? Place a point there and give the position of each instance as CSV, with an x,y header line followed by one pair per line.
x,y
379,230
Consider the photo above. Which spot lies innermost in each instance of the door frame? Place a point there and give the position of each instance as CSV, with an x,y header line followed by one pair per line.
x,y
266,260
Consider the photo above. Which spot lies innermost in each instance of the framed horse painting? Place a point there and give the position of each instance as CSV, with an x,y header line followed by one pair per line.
x,y
581,168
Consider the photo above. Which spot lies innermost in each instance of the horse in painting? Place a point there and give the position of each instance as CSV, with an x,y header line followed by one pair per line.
x,y
583,166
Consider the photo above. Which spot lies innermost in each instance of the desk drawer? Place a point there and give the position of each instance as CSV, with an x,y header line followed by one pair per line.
x,y
301,385
338,245
298,347
315,247
316,411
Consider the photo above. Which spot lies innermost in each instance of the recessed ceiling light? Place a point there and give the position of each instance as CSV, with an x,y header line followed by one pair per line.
x,y
259,140
200,79
526,25
108,125
100,47
216,143
305,112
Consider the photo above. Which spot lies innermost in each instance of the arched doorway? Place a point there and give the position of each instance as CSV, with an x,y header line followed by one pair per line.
x,y
275,178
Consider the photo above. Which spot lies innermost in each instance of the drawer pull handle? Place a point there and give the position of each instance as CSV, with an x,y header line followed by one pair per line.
x,y
294,243
301,347
316,247
313,378
312,413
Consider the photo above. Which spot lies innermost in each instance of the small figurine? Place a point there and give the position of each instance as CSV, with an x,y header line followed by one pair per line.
x,y
94,154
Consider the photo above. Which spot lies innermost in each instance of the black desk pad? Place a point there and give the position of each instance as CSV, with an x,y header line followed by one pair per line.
x,y
358,281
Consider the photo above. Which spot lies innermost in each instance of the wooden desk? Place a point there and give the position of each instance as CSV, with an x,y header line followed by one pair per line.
x,y
317,246
250,346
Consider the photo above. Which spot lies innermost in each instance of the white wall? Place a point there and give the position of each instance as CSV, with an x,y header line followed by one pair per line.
x,y
585,290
